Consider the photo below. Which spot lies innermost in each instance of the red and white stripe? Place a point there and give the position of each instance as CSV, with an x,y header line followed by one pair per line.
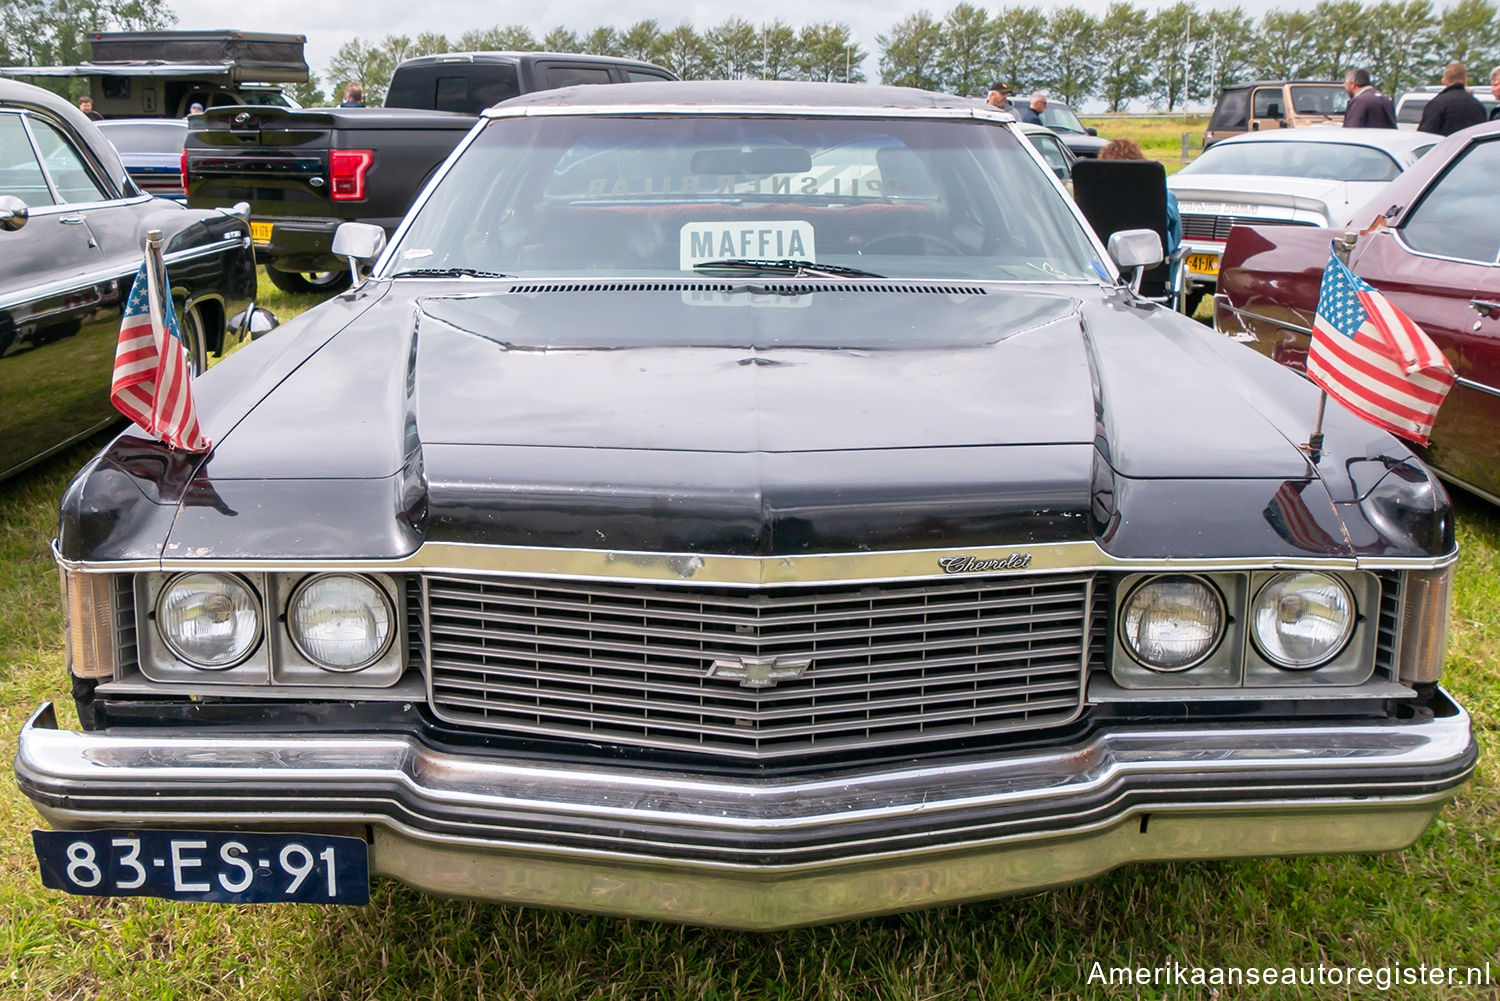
x,y
1389,373
151,383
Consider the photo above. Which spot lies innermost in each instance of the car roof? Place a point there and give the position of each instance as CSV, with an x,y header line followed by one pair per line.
x,y
1277,83
1382,139
769,94
506,55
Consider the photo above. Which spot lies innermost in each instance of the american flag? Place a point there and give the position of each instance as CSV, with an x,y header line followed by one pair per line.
x,y
1373,359
152,385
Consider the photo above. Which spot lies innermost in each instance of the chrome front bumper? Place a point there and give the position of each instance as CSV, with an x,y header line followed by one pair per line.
x,y
773,852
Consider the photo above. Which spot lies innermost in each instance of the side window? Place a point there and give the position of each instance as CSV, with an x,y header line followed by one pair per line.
x,y
567,76
645,76
20,174
70,175
1232,112
1456,217
1269,103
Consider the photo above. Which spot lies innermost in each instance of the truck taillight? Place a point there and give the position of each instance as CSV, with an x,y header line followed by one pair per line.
x,y
184,172
346,170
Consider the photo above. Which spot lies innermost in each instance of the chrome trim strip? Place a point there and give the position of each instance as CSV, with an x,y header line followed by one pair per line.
x,y
1478,386
1251,315
109,274
751,571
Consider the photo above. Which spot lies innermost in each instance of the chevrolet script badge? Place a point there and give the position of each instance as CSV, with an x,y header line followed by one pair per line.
x,y
759,672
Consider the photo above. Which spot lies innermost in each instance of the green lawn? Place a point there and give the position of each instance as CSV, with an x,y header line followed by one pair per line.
x,y
1435,903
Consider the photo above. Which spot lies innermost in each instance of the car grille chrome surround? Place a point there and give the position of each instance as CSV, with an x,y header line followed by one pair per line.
x,y
890,664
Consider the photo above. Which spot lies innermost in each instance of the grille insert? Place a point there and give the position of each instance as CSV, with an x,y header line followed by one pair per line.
x,y
675,667
1217,227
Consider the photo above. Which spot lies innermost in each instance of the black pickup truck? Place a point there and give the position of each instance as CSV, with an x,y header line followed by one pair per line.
x,y
305,171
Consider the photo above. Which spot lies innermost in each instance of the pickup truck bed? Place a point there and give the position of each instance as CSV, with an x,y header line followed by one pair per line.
x,y
303,172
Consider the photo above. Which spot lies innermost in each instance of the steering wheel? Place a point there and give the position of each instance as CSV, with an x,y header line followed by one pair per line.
x,y
942,244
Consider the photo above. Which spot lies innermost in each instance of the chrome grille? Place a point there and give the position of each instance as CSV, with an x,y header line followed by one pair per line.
x,y
883,664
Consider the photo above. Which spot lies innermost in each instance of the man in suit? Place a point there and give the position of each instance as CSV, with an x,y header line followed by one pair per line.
x,y
1032,114
1368,107
1454,108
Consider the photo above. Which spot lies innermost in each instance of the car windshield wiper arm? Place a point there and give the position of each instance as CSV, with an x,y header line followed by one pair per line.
x,y
448,273
787,265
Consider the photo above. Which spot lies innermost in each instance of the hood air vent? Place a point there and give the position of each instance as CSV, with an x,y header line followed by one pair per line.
x,y
756,288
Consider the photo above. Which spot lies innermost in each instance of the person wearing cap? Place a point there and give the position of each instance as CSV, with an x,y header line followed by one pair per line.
x,y
999,99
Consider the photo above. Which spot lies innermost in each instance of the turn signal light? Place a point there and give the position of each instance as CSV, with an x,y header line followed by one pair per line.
x,y
88,603
1424,633
346,172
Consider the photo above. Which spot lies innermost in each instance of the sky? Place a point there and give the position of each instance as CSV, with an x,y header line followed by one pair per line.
x,y
327,26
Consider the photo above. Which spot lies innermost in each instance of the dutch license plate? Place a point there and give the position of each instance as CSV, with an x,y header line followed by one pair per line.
x,y
260,232
1203,264
208,866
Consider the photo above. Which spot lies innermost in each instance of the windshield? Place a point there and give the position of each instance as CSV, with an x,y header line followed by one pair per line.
x,y
1057,116
654,195
1325,161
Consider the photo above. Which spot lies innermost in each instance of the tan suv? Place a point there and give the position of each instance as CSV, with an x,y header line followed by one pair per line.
x,y
1275,104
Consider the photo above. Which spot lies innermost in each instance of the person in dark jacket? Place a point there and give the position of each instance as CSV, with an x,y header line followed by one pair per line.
x,y
354,96
1368,107
1495,89
1032,113
1454,108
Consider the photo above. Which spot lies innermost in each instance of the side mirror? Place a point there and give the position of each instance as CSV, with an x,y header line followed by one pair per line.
x,y
1091,130
1138,249
13,213
360,242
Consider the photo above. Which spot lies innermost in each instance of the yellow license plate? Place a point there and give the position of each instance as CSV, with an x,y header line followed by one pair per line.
x,y
260,232
1203,264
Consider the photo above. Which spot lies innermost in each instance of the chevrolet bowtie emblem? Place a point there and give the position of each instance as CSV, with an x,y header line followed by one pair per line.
x,y
759,672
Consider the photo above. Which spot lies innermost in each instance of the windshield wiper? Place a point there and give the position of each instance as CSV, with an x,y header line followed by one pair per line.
x,y
448,273
788,265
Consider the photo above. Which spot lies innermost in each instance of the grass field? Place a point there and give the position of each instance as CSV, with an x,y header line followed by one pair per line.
x,y
1436,903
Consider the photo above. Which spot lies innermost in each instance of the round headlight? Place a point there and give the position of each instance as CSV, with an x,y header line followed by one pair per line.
x,y
209,620
1302,619
1172,623
340,622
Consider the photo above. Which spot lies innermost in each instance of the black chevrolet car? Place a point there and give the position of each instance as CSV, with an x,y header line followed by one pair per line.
x,y
72,225
748,504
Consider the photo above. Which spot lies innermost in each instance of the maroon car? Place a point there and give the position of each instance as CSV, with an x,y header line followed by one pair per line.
x,y
1430,241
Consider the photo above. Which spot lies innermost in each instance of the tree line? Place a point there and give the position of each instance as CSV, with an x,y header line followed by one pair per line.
x,y
1130,56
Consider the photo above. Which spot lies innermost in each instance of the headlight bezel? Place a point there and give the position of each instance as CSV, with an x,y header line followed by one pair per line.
x,y
297,643
1261,647
1156,579
257,601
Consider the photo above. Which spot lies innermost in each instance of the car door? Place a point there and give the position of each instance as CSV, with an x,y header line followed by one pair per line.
x,y
1268,108
1439,265
59,305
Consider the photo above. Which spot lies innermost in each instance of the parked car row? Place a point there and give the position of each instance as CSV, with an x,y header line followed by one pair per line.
x,y
1303,177
1433,251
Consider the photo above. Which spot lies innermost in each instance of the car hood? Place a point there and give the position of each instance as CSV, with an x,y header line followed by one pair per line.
x,y
1335,200
741,420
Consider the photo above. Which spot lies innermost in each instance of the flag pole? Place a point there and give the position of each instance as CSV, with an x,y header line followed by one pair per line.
x,y
1314,448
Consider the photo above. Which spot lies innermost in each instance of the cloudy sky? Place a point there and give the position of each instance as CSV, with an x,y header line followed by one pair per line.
x,y
327,26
